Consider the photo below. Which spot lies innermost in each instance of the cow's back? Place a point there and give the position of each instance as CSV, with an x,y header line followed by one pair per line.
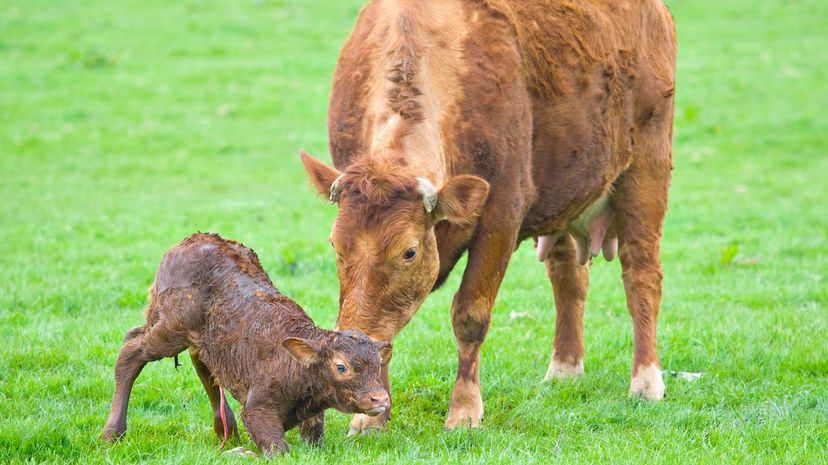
x,y
592,71
564,40
599,73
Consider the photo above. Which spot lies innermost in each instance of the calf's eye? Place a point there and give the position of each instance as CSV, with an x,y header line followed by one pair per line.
x,y
409,254
341,368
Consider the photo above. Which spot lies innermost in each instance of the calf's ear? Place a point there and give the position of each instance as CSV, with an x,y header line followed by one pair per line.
x,y
322,176
384,349
461,198
303,351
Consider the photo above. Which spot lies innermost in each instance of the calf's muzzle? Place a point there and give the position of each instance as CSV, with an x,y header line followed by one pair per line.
x,y
375,402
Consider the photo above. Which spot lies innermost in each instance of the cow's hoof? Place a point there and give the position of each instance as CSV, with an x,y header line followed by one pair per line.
x,y
466,408
464,417
239,452
362,424
563,370
647,383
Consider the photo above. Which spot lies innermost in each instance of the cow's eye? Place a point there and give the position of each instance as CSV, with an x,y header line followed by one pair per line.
x,y
341,368
409,254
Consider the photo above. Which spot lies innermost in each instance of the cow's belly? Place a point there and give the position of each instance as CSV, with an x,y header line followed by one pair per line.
x,y
581,143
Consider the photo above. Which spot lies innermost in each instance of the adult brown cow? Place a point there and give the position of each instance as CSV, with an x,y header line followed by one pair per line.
x,y
471,125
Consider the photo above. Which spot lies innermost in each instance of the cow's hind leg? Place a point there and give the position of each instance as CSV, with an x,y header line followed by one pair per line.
x,y
214,393
641,202
569,280
141,346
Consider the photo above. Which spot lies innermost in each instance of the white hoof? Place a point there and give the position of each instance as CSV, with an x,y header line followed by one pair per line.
x,y
647,383
466,416
466,406
559,369
363,424
239,452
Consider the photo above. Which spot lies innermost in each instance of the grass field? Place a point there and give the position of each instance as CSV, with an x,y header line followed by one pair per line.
x,y
125,126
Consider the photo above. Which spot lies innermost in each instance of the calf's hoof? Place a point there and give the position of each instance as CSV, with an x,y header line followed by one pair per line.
x,y
232,428
113,433
363,424
239,452
560,369
647,383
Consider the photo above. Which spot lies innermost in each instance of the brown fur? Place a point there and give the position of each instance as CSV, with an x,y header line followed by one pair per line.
x,y
556,104
212,296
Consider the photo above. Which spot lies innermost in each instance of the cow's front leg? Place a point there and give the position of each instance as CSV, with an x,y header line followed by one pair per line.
x,y
470,315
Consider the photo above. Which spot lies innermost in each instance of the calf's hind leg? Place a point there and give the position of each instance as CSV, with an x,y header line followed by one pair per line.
x,y
131,361
141,346
213,392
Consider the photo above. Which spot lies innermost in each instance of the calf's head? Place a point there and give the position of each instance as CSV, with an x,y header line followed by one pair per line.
x,y
345,369
383,236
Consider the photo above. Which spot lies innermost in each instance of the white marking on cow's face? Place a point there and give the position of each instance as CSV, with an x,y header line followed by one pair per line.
x,y
560,369
646,382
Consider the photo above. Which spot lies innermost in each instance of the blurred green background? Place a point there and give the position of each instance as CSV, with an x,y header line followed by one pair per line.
x,y
127,125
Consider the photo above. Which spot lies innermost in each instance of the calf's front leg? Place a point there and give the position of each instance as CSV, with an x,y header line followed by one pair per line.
x,y
312,430
266,427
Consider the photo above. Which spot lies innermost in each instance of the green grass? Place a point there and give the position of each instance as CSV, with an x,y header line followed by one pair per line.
x,y
127,125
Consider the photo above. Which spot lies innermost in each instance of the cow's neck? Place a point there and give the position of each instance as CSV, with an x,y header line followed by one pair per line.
x,y
415,82
421,149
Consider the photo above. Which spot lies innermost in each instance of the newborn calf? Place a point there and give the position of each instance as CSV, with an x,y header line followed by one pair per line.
x,y
212,296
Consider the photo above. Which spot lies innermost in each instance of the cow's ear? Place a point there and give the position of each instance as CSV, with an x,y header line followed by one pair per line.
x,y
303,351
322,176
461,198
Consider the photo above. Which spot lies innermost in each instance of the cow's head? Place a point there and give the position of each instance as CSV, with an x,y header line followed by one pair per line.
x,y
386,252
